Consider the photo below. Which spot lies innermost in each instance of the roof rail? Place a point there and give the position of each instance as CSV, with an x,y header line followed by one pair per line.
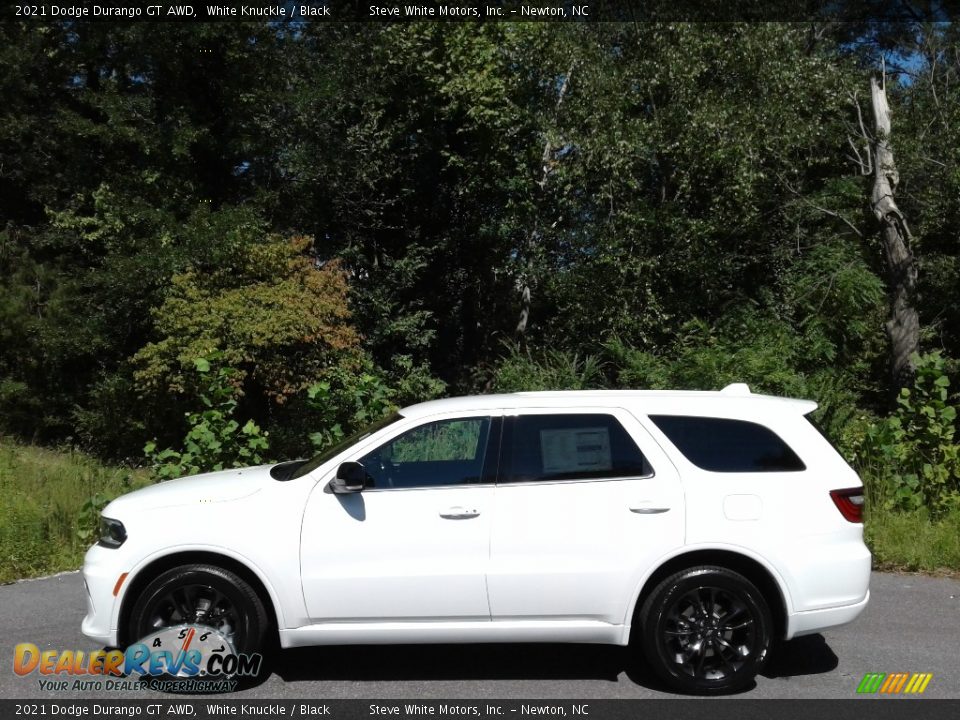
x,y
736,389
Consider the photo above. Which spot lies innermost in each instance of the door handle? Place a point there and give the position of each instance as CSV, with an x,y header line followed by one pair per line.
x,y
458,513
647,510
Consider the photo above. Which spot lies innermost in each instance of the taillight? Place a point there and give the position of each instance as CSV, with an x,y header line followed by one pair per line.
x,y
850,503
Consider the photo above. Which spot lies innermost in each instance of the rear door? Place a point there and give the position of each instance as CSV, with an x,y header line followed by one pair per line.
x,y
586,502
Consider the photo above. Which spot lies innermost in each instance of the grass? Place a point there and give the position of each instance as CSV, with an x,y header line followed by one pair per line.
x,y
42,496
911,541
907,540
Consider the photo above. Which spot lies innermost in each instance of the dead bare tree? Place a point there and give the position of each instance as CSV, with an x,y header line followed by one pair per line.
x,y
903,324
530,246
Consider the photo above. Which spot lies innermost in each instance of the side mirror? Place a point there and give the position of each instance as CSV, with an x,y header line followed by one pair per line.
x,y
351,478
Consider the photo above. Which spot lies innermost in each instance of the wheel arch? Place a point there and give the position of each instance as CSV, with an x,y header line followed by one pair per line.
x,y
752,568
158,565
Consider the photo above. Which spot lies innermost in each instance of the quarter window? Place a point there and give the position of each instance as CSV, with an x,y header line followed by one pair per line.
x,y
568,447
447,452
724,445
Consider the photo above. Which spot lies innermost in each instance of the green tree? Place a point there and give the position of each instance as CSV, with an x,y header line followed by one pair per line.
x,y
277,318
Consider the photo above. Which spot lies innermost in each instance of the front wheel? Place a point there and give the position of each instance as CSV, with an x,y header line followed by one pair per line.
x,y
706,630
203,595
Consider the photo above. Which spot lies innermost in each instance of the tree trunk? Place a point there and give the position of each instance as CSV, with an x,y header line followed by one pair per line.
x,y
534,235
903,326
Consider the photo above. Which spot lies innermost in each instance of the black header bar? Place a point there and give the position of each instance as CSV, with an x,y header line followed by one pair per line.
x,y
481,11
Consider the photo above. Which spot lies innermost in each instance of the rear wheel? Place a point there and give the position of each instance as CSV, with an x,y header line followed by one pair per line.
x,y
706,630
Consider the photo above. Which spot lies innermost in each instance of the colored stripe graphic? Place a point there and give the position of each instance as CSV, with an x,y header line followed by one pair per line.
x,y
871,682
900,683
889,683
894,683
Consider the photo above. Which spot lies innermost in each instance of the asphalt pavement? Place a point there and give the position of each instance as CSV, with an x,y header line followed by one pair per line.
x,y
912,624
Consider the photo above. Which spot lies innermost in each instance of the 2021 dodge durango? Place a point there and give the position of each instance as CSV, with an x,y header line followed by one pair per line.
x,y
697,526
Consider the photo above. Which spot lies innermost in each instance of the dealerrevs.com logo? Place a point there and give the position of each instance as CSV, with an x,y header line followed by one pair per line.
x,y
183,658
904,683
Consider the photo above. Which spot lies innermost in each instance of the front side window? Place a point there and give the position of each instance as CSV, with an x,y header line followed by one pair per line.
x,y
446,452
724,445
301,468
569,447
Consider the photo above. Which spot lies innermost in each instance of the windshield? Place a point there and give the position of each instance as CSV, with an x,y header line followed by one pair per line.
x,y
318,460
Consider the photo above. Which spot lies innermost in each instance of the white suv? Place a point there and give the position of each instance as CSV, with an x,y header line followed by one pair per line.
x,y
699,525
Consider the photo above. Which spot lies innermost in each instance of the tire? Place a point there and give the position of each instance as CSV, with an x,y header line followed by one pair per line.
x,y
220,599
706,631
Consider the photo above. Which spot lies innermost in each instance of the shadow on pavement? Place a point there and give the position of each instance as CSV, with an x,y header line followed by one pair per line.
x,y
451,662
804,656
807,655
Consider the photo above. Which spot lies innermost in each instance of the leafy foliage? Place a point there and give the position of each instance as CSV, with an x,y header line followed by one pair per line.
x,y
553,370
345,404
912,457
88,519
216,440
271,314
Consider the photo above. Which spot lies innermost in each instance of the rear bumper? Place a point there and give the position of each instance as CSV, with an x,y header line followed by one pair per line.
x,y
813,621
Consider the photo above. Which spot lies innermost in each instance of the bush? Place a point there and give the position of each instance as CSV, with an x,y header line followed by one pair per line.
x,y
342,401
552,370
277,317
751,346
910,460
216,440
111,421
345,403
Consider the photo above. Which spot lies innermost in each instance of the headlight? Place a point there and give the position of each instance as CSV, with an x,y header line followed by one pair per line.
x,y
112,532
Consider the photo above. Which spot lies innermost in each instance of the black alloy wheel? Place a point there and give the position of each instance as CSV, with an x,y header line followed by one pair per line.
x,y
202,595
706,630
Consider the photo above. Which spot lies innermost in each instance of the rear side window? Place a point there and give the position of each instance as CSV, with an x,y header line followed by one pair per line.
x,y
569,447
723,445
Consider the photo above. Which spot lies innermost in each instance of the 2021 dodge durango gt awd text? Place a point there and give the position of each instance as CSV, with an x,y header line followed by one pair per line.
x,y
700,526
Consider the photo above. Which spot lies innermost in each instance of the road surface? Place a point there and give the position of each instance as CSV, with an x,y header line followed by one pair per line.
x,y
912,624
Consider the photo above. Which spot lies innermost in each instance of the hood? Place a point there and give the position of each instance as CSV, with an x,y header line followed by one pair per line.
x,y
212,487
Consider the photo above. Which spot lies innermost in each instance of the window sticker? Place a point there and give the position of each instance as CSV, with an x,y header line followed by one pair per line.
x,y
580,449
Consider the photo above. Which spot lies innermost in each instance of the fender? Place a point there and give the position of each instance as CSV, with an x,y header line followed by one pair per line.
x,y
213,549
699,547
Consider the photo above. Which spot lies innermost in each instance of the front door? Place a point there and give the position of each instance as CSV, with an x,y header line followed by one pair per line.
x,y
414,545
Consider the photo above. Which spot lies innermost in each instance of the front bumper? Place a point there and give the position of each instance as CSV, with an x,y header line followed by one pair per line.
x,y
100,575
